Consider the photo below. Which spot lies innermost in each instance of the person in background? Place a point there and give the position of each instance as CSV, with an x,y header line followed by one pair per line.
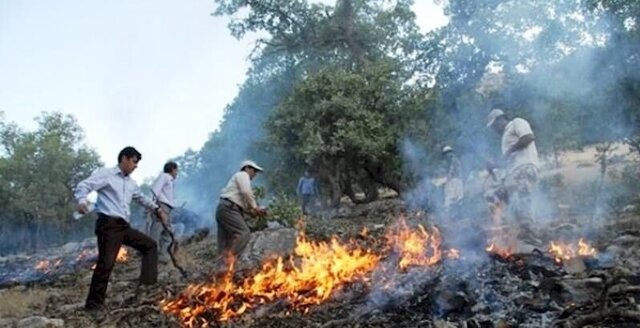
x,y
453,186
307,191
163,191
520,155
115,190
236,202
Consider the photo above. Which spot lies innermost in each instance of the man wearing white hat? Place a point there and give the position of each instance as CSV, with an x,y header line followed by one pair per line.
x,y
453,187
236,201
521,156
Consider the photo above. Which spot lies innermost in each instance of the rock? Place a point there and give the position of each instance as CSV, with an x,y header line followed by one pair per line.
x,y
40,322
71,307
265,244
274,225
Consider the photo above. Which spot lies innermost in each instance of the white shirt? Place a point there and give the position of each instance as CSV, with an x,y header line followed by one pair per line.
x,y
115,192
163,189
238,190
516,129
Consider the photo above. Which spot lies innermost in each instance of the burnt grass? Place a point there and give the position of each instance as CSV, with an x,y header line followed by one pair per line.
x,y
479,290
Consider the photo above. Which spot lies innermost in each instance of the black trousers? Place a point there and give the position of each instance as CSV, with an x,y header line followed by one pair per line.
x,y
112,233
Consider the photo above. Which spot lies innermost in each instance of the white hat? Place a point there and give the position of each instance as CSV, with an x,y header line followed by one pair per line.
x,y
446,149
251,164
493,116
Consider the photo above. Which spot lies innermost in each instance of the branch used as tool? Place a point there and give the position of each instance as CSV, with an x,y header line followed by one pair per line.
x,y
173,242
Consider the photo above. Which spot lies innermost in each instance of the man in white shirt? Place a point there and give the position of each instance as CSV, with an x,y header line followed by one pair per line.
x,y
236,201
163,189
115,190
522,165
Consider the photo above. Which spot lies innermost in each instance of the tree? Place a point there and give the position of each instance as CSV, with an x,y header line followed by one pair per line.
x,y
348,127
39,171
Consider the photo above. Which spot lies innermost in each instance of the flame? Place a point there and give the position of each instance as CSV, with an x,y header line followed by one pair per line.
x,y
563,251
308,277
500,248
46,265
86,254
453,253
122,256
504,242
416,247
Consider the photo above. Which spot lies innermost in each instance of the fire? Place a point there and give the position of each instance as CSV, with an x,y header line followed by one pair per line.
x,y
563,251
453,253
122,256
47,266
417,247
308,277
501,249
86,254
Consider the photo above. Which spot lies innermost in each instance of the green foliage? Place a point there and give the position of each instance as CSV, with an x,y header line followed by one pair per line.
x,y
282,209
38,172
337,120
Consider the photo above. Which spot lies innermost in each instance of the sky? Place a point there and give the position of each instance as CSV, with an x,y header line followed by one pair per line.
x,y
156,75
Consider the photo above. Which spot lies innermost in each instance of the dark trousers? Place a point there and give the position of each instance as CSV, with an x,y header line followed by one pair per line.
x,y
233,232
113,233
307,200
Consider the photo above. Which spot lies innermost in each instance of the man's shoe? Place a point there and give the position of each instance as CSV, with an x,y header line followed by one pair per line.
x,y
97,312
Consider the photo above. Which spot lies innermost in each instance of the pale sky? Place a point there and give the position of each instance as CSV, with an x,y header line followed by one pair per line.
x,y
153,74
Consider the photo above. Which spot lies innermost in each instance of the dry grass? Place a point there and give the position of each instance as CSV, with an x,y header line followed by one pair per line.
x,y
20,302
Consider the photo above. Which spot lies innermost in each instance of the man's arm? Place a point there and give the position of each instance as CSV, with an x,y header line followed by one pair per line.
x,y
244,186
157,186
522,143
95,181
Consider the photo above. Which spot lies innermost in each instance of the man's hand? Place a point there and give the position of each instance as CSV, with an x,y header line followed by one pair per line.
x,y
82,208
258,212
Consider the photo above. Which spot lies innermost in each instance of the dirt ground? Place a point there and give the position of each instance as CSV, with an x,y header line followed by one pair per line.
x,y
63,298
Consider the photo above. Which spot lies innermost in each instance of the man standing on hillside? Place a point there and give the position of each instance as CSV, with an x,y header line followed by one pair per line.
x,y
236,201
115,190
453,187
307,190
162,189
522,166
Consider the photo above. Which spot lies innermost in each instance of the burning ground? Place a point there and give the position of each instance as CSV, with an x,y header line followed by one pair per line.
x,y
378,266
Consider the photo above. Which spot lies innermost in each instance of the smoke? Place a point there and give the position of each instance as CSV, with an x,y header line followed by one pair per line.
x,y
552,63
241,136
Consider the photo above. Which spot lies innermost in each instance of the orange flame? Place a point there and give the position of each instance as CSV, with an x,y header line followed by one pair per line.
x,y
46,265
453,253
309,277
563,251
500,248
122,256
416,247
